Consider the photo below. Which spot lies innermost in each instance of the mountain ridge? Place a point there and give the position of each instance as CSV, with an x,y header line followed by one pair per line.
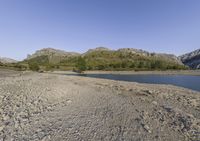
x,y
58,52
5,60
102,58
51,51
191,59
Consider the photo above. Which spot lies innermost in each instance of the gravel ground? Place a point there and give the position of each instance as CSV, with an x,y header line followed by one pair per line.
x,y
49,107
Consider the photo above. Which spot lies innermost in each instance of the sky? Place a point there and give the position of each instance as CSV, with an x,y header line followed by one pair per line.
x,y
165,26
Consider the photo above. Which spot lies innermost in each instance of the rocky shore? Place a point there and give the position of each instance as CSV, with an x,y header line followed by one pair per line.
x,y
167,72
40,106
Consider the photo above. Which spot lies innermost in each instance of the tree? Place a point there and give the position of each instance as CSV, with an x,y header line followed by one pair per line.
x,y
81,64
33,66
141,64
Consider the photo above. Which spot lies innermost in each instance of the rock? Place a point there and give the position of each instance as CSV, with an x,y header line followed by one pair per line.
x,y
5,117
167,108
69,101
2,127
46,138
148,92
191,59
23,115
147,128
155,103
130,90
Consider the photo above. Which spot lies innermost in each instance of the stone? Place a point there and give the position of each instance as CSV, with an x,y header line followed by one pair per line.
x,y
1,128
155,103
148,91
147,128
69,101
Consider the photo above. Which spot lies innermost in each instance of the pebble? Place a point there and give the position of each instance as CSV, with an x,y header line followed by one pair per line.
x,y
69,101
147,128
149,91
155,103
1,128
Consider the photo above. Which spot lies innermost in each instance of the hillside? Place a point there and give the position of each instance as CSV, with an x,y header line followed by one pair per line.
x,y
102,58
168,57
50,54
127,58
5,60
191,59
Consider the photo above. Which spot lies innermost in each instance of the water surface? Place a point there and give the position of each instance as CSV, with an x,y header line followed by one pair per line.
x,y
187,81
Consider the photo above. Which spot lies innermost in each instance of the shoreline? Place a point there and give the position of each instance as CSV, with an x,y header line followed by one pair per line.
x,y
181,72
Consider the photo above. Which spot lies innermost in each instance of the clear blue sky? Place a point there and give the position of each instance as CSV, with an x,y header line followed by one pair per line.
x,y
171,26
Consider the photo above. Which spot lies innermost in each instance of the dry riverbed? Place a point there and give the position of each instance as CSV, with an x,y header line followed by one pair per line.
x,y
40,106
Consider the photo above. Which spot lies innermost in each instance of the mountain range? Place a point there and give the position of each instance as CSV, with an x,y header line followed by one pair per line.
x,y
5,60
54,53
104,57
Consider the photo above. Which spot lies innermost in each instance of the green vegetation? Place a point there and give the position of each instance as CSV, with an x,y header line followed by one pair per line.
x,y
14,66
81,64
34,66
112,60
103,60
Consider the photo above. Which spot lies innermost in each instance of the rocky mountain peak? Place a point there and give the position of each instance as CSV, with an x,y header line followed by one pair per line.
x,y
191,59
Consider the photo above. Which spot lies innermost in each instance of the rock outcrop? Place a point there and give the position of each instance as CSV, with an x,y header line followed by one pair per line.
x,y
97,49
168,57
191,59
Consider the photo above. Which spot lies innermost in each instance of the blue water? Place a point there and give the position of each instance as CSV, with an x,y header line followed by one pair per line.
x,y
187,81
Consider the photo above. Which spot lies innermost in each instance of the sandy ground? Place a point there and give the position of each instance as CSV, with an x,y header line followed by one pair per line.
x,y
6,73
49,107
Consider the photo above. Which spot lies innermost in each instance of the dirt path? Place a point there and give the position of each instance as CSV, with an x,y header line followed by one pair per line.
x,y
55,107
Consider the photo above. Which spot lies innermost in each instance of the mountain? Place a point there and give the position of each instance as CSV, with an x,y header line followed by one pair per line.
x,y
102,58
51,52
97,49
129,58
169,57
5,60
191,59
51,55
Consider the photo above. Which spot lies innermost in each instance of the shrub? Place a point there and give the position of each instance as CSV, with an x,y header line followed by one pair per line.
x,y
33,66
81,64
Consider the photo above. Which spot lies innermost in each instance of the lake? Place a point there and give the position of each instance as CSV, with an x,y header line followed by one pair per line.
x,y
187,81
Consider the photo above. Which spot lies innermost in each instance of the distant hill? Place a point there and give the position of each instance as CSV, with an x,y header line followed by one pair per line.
x,y
168,57
129,58
51,52
102,58
5,60
50,55
191,59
